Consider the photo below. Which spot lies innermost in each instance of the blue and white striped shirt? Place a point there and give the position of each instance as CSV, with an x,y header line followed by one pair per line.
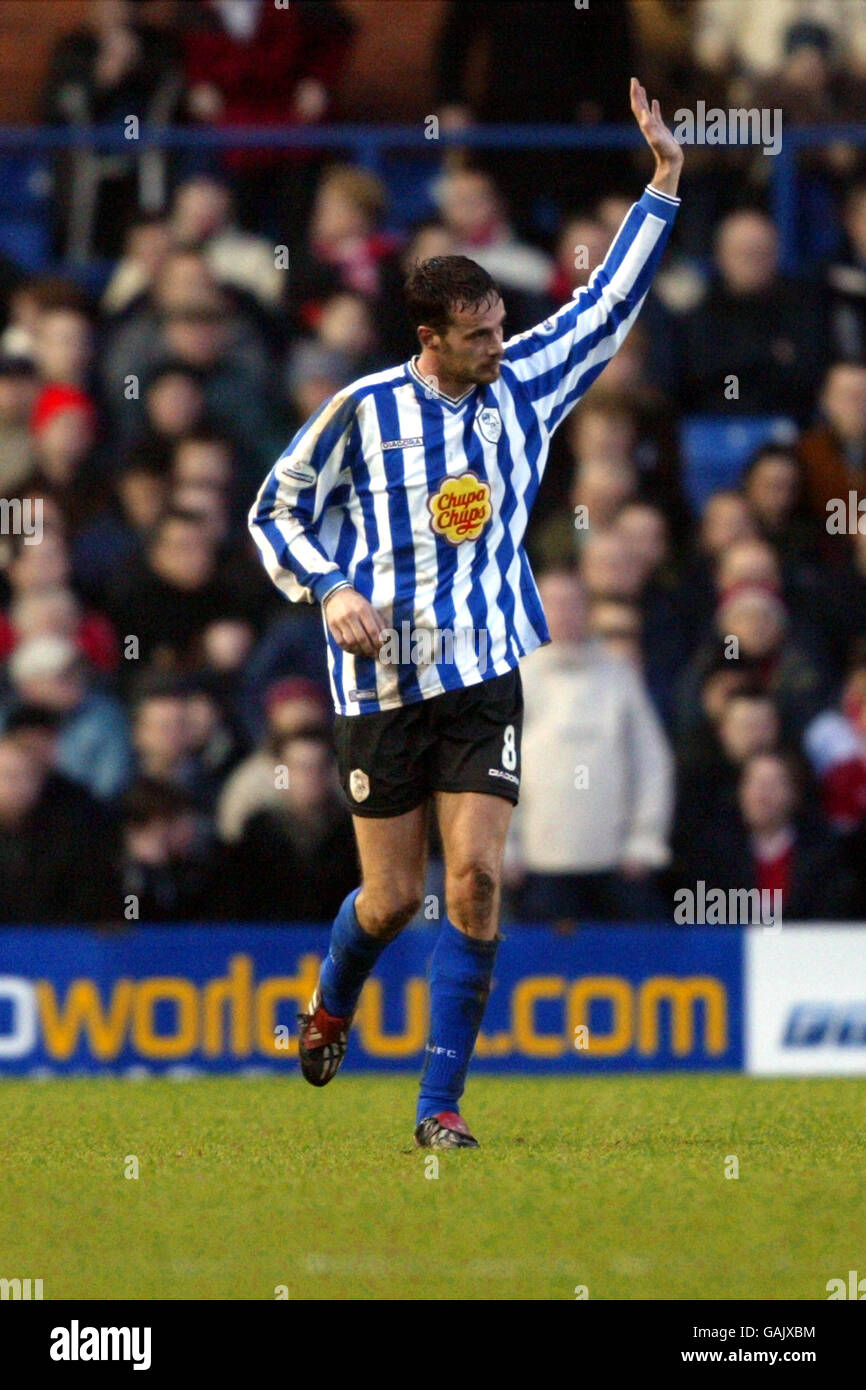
x,y
421,502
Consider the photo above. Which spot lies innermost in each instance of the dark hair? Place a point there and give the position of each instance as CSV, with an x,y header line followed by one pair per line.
x,y
204,433
173,366
32,717
307,733
149,799
749,692
172,513
150,455
436,287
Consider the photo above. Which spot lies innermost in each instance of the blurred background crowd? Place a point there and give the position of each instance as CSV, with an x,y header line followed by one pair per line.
x,y
169,319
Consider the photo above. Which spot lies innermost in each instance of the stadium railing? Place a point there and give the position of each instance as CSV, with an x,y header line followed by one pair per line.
x,y
368,145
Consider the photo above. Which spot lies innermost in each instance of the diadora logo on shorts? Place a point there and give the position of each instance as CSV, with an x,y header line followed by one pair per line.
x,y
461,508
490,424
508,776
359,784
401,443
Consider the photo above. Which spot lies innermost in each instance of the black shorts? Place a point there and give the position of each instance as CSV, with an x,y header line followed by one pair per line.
x,y
463,741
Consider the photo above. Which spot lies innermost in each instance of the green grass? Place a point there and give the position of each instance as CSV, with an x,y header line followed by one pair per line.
x,y
613,1183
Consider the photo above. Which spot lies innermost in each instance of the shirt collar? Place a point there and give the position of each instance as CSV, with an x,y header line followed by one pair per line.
x,y
433,391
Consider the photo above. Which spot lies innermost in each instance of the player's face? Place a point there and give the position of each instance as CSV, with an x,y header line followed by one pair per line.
x,y
471,349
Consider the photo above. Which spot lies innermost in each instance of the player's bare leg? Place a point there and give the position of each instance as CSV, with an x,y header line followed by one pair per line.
x,y
473,826
393,854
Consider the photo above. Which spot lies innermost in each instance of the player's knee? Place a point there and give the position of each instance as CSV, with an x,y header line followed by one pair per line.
x,y
385,913
471,893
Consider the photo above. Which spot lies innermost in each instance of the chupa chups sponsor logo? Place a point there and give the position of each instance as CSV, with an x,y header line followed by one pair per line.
x,y
461,508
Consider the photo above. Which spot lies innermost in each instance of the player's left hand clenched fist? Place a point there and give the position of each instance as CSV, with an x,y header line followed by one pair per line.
x,y
354,623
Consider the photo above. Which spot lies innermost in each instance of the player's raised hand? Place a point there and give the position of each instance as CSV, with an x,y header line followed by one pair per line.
x,y
664,145
354,623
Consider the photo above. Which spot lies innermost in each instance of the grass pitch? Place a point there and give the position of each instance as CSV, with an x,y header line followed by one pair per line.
x,y
617,1184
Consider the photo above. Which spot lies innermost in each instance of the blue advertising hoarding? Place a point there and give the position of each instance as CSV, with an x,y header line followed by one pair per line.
x,y
225,998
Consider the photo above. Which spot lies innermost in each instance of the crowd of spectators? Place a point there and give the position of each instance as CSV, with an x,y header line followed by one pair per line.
x,y
165,722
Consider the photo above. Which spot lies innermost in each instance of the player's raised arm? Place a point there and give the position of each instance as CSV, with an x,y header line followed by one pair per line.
x,y
559,360
667,150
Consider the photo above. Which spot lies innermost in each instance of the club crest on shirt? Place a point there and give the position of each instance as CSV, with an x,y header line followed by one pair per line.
x,y
490,424
359,784
461,508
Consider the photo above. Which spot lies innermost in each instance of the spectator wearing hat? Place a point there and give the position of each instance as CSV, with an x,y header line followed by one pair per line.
x,y
93,744
752,626
313,374
345,346
291,705
64,427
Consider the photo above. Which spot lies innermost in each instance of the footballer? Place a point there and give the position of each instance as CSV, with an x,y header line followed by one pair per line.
x,y
401,507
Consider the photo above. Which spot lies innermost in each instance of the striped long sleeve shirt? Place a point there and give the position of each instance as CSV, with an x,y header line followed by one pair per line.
x,y
421,502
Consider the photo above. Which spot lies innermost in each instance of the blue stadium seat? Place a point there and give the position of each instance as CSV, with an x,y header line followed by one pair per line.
x,y
25,241
25,193
408,182
716,448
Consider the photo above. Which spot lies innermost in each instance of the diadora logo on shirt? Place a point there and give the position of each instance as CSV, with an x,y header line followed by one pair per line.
x,y
401,443
461,508
490,424
301,472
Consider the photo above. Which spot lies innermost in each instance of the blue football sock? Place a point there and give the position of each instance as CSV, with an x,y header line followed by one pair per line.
x,y
352,953
460,974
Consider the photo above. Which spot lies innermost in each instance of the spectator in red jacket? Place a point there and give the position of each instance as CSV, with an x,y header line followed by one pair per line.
x,y
836,744
266,65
